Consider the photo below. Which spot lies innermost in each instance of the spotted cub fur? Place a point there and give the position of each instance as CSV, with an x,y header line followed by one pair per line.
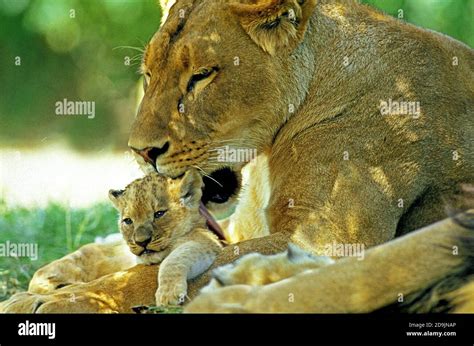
x,y
161,223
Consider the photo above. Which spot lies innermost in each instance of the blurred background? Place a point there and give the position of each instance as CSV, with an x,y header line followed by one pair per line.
x,y
55,170
77,49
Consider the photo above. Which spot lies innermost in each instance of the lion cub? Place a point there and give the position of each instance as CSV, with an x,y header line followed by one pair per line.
x,y
161,223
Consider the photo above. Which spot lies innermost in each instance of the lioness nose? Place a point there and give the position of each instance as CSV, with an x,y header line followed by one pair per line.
x,y
151,154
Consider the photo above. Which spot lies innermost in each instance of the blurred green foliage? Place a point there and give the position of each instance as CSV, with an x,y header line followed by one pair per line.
x,y
451,17
69,49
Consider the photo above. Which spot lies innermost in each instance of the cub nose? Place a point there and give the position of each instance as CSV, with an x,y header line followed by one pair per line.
x,y
151,154
143,243
142,237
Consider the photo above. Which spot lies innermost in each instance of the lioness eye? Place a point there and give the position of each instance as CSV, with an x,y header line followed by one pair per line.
x,y
159,214
203,74
127,221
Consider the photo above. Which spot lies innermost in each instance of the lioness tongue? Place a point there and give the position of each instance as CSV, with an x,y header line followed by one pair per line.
x,y
211,222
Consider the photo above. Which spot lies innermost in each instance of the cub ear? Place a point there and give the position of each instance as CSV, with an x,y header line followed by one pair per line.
x,y
114,196
165,8
190,188
275,24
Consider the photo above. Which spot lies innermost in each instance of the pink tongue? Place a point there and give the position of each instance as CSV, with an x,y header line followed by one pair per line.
x,y
211,222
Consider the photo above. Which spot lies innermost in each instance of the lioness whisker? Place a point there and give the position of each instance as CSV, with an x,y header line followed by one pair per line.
x,y
142,50
207,175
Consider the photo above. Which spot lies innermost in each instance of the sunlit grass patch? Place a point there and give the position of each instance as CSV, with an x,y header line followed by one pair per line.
x,y
144,310
55,228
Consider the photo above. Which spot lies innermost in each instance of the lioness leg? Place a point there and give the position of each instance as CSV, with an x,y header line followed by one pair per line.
x,y
258,269
113,293
389,273
88,263
121,291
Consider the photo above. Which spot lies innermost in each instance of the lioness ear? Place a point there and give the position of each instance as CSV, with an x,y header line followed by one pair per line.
x,y
275,24
114,196
190,188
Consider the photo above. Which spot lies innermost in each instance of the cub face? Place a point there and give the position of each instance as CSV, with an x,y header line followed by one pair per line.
x,y
155,211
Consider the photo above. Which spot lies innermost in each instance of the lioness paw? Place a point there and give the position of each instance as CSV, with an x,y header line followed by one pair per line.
x,y
171,293
233,299
256,269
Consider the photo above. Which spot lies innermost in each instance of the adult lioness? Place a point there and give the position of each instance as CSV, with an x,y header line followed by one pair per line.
x,y
322,88
367,121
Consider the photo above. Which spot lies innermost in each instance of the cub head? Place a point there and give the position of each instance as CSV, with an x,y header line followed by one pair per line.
x,y
219,80
155,211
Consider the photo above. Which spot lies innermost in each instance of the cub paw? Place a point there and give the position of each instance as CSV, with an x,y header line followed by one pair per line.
x,y
171,293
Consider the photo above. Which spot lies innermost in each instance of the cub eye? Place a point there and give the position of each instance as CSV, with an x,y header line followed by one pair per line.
x,y
159,214
127,221
201,75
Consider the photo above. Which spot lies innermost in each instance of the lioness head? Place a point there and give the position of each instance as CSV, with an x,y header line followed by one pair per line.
x,y
156,210
219,75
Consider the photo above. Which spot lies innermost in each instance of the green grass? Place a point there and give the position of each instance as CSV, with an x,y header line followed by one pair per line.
x,y
147,310
56,229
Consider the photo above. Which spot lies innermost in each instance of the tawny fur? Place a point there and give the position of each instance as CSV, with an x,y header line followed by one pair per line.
x,y
88,263
463,299
256,270
339,170
165,213
348,285
389,273
249,221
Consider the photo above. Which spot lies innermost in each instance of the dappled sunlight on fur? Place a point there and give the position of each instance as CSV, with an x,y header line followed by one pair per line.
x,y
405,266
90,262
366,133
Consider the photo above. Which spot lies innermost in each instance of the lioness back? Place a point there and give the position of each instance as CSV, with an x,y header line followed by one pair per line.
x,y
389,109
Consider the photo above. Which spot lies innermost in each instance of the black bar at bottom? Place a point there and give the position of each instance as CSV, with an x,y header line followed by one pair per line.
x,y
379,329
